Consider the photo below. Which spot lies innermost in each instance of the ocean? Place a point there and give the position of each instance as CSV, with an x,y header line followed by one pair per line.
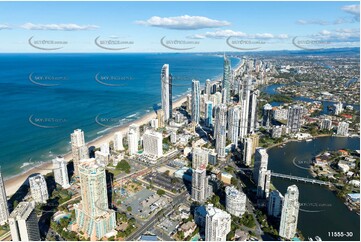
x,y
44,97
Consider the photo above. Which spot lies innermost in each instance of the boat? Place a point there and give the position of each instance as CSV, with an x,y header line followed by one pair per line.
x,y
308,140
318,238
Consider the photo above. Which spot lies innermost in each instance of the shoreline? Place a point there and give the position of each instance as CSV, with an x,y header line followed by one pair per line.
x,y
12,184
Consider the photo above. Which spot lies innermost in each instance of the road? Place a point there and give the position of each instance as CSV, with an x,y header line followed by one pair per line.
x,y
156,218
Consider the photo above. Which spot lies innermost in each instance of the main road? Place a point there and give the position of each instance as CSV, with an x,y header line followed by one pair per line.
x,y
153,220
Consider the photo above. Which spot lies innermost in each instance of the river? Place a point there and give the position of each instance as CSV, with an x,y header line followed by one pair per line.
x,y
321,211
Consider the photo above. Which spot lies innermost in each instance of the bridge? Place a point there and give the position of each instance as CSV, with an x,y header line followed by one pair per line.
x,y
297,178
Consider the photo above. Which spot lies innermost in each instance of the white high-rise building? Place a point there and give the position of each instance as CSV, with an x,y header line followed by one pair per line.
x,y
199,158
132,142
208,87
166,80
247,151
244,100
218,224
267,115
338,108
24,223
118,141
275,202
253,119
220,129
260,161
38,188
326,124
289,216
136,129
264,183
196,101
104,148
294,118
93,216
233,125
153,143
227,79
235,201
79,149
4,210
199,185
61,172
342,128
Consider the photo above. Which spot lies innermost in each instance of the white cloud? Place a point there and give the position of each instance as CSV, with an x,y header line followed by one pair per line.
x,y
4,26
323,22
352,9
220,34
340,35
184,22
66,27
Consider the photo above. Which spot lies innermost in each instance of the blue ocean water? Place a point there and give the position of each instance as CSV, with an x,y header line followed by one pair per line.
x,y
44,97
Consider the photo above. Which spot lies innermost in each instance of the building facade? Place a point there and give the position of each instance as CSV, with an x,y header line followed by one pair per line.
x,y
235,201
289,216
38,188
60,169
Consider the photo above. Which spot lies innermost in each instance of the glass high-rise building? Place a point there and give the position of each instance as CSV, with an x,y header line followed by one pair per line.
x,y
166,80
209,114
196,99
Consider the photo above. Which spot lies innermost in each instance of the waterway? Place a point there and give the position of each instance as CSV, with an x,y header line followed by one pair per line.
x,y
321,211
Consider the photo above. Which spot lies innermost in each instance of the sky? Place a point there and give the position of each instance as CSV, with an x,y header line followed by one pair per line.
x,y
176,26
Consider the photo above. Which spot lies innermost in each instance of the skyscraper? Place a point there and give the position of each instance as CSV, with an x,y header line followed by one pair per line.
x,y
208,87
267,115
199,185
209,114
264,182
244,100
233,125
4,210
153,143
294,118
166,80
160,117
290,209
275,202
235,201
218,224
132,142
199,158
247,148
260,161
61,172
196,93
118,141
342,128
78,148
24,223
93,217
227,76
38,188
252,112
220,129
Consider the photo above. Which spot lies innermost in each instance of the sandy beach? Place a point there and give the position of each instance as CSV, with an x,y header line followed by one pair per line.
x,y
12,184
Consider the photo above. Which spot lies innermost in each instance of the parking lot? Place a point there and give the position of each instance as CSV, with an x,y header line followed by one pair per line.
x,y
164,181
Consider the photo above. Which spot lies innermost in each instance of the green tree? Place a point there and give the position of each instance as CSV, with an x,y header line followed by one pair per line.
x,y
160,192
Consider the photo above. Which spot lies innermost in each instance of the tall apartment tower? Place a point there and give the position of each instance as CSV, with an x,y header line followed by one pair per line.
x,y
38,188
260,161
235,201
264,182
267,116
289,216
275,203
233,125
61,172
220,129
166,80
244,100
209,113
153,143
199,158
294,118
78,148
118,141
227,78
24,223
93,216
199,185
196,99
4,210
218,224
